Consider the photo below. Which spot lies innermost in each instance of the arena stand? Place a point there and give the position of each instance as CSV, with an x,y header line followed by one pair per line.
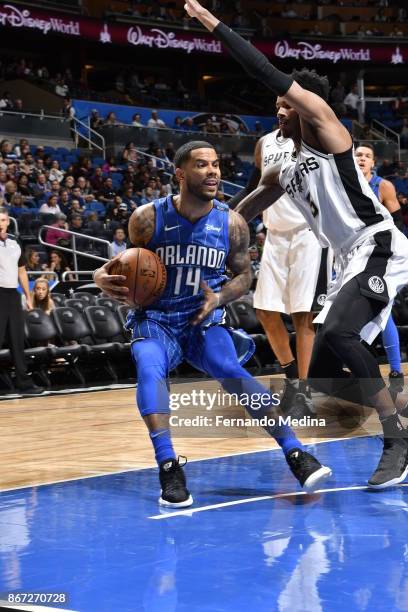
x,y
56,193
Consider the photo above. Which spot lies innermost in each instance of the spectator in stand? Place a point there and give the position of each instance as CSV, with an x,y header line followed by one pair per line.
x,y
85,190
352,101
8,155
161,161
10,190
93,226
111,120
41,296
118,245
76,195
55,234
64,201
69,182
107,193
21,148
210,127
58,264
40,187
258,129
170,151
18,106
260,242
33,263
386,169
226,127
75,208
61,88
110,165
17,205
396,32
399,107
188,125
147,195
51,206
95,121
97,179
255,259
54,189
178,123
56,174
3,182
131,199
6,101
137,120
155,122
130,153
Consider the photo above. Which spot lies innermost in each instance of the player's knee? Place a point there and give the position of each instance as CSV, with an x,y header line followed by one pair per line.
x,y
220,368
337,335
150,359
266,317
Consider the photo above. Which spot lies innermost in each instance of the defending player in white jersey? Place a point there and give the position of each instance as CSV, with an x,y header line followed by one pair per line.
x,y
324,181
292,279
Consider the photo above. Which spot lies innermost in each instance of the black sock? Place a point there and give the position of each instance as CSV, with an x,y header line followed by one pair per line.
x,y
290,369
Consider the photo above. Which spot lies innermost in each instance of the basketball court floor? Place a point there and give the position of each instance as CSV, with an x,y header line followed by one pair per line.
x,y
79,516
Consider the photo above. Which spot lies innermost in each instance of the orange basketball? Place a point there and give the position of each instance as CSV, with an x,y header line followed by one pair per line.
x,y
145,273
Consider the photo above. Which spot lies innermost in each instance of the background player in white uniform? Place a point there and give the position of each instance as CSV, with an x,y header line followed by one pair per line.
x,y
327,185
288,278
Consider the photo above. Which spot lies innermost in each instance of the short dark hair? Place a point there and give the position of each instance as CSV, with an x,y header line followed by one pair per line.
x,y
367,146
310,80
3,210
183,153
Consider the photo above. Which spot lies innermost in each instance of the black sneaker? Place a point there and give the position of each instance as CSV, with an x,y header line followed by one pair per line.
x,y
30,389
302,406
396,383
288,396
307,469
174,493
393,465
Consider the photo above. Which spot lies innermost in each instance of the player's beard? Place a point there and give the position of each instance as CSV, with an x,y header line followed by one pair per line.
x,y
197,191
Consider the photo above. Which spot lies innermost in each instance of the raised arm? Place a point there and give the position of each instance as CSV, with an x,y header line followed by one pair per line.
x,y
327,130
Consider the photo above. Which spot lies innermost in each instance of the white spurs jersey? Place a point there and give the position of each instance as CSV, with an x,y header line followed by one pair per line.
x,y
334,197
283,215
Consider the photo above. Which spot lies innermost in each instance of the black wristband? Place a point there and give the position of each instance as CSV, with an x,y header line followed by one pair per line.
x,y
398,218
254,62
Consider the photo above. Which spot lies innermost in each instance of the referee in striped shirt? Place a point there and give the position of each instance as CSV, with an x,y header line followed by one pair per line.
x,y
13,272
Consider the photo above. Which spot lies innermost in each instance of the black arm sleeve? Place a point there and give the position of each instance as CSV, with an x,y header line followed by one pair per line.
x,y
398,219
252,60
252,184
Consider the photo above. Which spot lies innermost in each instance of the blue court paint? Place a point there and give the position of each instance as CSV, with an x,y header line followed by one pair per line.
x,y
93,538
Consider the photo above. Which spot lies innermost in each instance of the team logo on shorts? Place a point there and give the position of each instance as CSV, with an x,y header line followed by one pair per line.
x,y
376,284
321,299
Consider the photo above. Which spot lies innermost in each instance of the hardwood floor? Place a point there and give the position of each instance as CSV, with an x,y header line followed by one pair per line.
x,y
48,439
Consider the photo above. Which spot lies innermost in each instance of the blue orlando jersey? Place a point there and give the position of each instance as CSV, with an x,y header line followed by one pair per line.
x,y
191,252
374,183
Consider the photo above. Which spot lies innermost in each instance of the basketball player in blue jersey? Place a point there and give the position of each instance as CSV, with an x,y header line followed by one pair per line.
x,y
197,237
385,192
323,179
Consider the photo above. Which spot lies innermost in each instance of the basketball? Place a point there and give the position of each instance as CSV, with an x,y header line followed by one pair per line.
x,y
145,275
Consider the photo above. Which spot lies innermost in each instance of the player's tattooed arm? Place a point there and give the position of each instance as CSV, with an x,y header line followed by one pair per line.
x,y
141,225
141,229
238,262
267,192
